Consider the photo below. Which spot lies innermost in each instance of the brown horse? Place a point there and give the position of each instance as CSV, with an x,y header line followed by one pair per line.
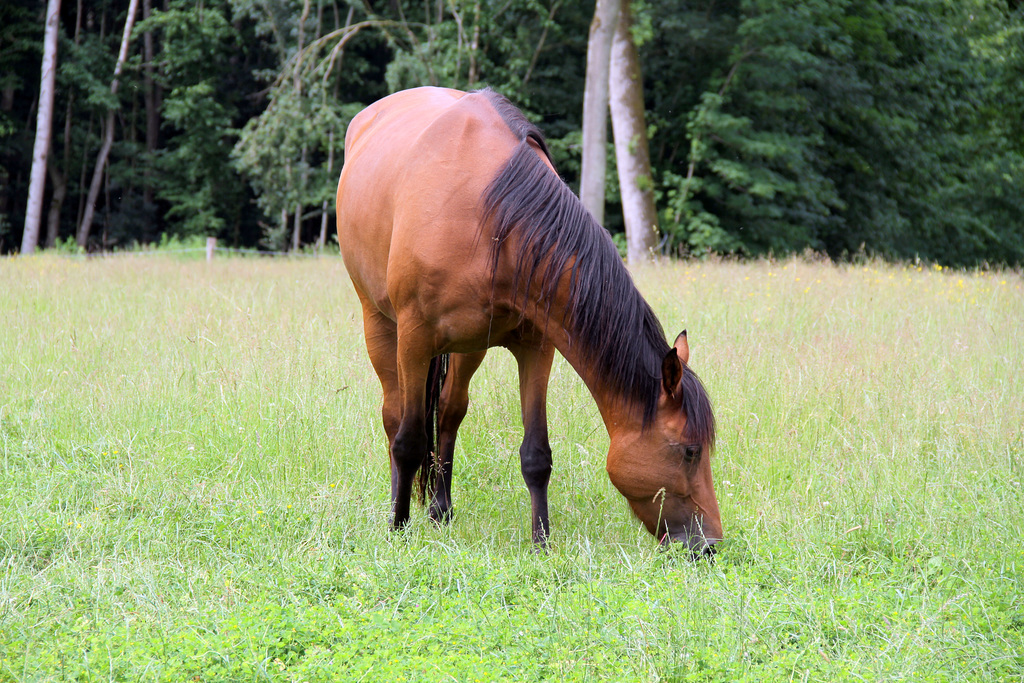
x,y
459,236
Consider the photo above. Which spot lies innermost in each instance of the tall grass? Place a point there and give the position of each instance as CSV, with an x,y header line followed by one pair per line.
x,y
193,485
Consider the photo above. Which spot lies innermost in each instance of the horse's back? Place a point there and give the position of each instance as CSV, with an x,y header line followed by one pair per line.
x,y
417,164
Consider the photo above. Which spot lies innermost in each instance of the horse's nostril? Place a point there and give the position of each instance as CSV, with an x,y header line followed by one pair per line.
x,y
705,553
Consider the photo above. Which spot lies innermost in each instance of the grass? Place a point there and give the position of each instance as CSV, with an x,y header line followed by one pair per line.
x,y
193,487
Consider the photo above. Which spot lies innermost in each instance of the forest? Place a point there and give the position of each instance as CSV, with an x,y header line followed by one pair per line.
x,y
888,128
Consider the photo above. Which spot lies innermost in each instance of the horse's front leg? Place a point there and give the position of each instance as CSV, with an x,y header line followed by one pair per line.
x,y
451,411
535,453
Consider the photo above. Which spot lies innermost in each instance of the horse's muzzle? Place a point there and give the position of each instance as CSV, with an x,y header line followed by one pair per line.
x,y
700,546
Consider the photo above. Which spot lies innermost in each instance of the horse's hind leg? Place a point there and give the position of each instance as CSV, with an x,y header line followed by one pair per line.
x,y
382,347
452,409
410,448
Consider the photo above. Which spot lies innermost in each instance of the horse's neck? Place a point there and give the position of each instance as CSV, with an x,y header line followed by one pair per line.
x,y
607,404
614,406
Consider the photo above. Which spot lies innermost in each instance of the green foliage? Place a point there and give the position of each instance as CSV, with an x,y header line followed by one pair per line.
x,y
197,117
832,125
283,151
85,69
21,40
841,126
20,36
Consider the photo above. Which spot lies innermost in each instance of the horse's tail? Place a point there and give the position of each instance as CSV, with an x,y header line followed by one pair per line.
x,y
435,382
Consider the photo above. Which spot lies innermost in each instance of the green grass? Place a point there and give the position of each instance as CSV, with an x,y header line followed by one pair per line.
x,y
193,486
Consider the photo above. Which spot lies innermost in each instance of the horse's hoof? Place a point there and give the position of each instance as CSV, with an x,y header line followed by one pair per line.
x,y
441,516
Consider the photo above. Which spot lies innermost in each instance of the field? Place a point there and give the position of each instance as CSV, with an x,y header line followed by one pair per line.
x,y
193,486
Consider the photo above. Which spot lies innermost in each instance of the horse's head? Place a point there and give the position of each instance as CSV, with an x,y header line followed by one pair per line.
x,y
664,469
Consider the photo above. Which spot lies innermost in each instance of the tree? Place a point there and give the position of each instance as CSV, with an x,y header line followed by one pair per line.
x,y
774,125
44,120
151,97
59,171
19,56
756,179
287,151
632,157
842,125
595,106
192,172
82,237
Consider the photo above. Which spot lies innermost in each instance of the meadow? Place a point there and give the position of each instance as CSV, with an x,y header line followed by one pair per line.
x,y
193,486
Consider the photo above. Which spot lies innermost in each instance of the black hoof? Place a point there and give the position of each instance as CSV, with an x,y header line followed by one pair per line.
x,y
441,515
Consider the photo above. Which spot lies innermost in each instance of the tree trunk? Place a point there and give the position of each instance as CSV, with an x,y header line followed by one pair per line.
x,y
60,192
323,213
82,236
540,44
44,121
108,132
284,226
152,111
595,106
297,228
474,45
303,171
631,154
61,177
60,183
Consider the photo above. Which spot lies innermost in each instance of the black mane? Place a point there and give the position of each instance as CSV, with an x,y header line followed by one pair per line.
x,y
610,322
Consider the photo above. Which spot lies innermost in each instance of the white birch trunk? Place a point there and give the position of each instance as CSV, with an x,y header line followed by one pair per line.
x,y
108,132
632,157
595,106
44,124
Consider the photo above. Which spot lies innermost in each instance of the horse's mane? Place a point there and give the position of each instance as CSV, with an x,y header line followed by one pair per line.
x,y
610,322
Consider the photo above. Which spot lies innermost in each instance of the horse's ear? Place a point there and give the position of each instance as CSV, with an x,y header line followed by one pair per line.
x,y
671,371
682,347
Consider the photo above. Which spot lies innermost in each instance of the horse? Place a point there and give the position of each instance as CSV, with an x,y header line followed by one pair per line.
x,y
459,236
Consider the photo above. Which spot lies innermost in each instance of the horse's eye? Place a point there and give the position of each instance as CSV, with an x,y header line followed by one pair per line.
x,y
688,453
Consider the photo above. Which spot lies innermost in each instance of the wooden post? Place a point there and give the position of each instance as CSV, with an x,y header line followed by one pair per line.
x,y
211,244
